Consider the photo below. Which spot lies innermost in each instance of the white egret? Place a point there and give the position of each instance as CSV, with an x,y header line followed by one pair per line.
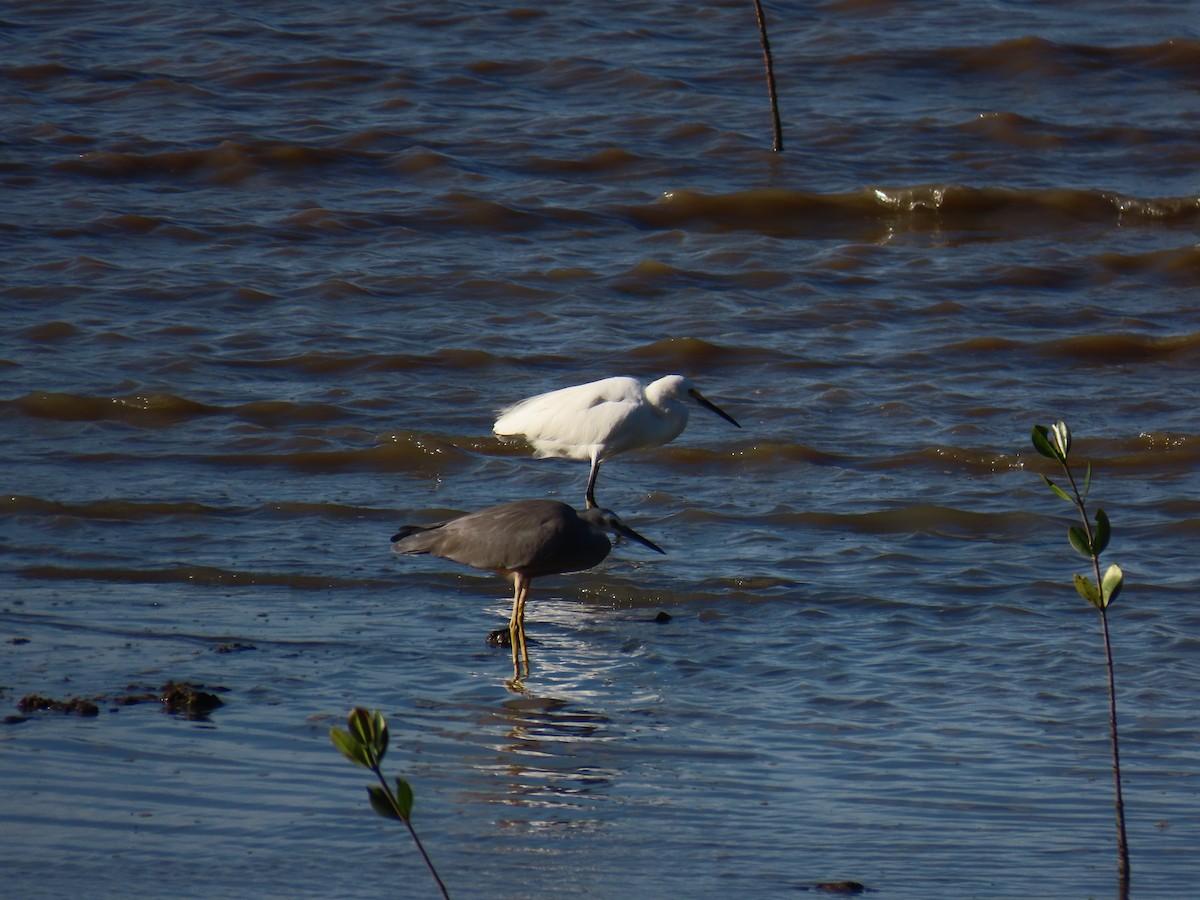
x,y
598,420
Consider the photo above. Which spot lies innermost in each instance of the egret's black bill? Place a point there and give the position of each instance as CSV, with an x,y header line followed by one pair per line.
x,y
712,407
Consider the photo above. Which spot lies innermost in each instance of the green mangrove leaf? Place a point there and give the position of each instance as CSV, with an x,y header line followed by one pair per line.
x,y
381,803
1087,480
1079,540
1062,439
1103,532
1042,444
404,797
1054,487
351,748
361,726
381,733
370,729
1087,590
1113,581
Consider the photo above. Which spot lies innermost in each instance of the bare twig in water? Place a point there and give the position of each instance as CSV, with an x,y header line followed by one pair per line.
x,y
766,45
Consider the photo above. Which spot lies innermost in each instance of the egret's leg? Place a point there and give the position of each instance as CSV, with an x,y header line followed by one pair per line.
x,y
590,495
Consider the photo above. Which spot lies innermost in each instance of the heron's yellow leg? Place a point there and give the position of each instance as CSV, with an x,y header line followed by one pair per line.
x,y
512,623
516,626
521,635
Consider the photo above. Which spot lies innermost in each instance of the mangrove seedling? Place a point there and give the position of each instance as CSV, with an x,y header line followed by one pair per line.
x,y
365,744
1090,538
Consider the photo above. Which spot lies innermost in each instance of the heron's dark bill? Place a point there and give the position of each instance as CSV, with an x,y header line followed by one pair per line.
x,y
712,407
625,531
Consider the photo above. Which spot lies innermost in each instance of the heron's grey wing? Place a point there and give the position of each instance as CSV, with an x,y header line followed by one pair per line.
x,y
564,543
416,538
506,537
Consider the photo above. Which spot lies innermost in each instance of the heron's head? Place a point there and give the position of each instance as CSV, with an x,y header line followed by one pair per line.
x,y
606,520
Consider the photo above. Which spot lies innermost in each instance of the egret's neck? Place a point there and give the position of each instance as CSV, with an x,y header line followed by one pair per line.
x,y
672,415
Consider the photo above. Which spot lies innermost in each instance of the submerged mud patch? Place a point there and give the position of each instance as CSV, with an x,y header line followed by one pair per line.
x,y
34,702
176,697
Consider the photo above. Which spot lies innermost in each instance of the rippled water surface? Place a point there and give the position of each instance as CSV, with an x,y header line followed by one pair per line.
x,y
268,271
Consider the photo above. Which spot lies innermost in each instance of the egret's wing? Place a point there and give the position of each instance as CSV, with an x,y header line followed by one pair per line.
x,y
570,421
517,419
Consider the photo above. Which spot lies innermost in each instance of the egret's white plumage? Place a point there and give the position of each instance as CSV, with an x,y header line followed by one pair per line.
x,y
598,420
521,540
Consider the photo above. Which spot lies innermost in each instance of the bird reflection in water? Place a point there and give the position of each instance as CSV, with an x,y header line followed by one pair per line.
x,y
541,762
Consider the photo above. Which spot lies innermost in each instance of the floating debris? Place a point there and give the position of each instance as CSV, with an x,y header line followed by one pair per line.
x,y
235,647
834,887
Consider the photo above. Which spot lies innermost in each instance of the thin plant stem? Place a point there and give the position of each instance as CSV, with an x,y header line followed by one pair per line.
x,y
407,824
364,745
1119,800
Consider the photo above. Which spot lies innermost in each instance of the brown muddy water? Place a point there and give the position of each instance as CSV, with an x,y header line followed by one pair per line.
x,y
269,270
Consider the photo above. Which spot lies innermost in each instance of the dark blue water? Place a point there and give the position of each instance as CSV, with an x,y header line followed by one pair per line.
x,y
268,273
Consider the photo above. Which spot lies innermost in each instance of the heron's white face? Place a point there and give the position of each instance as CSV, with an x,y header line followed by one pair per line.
x,y
604,519
607,520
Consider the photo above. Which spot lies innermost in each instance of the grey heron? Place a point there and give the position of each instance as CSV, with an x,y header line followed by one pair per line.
x,y
521,541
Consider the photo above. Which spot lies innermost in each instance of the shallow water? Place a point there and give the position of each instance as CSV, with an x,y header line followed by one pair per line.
x,y
267,276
